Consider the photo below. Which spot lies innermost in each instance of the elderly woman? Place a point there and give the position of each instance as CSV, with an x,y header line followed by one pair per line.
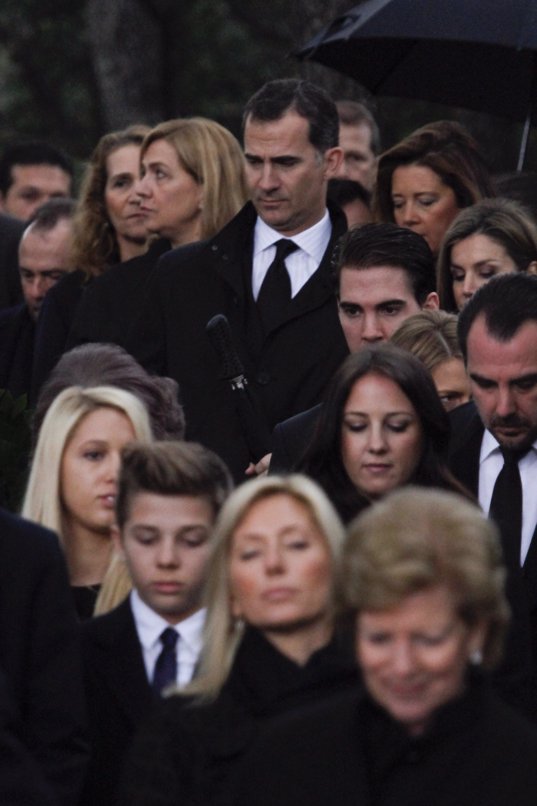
x,y
427,178
269,647
496,236
424,581
432,337
382,426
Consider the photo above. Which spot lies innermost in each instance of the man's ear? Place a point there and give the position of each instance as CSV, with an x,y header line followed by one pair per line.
x,y
432,303
532,268
333,157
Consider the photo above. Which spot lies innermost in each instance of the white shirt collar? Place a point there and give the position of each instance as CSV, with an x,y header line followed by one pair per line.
x,y
490,445
313,240
149,625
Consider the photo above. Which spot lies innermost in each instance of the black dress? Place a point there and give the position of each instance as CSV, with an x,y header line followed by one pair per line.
x,y
349,752
188,754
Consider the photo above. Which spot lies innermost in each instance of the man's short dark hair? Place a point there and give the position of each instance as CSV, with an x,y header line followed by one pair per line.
x,y
276,98
171,468
51,213
354,113
373,245
507,302
345,191
31,153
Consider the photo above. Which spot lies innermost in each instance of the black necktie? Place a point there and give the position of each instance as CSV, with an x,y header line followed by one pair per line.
x,y
506,505
275,292
166,665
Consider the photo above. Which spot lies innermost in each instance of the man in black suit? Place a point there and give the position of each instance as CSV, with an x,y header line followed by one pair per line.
x,y
10,287
40,661
494,443
289,341
169,494
384,274
44,257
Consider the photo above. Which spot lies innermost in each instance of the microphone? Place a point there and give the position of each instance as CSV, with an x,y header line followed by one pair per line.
x,y
249,410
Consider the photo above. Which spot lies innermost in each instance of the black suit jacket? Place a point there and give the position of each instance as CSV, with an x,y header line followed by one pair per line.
x,y
17,334
111,302
467,434
53,325
118,694
40,655
11,230
21,781
288,367
521,647
291,438
188,753
348,752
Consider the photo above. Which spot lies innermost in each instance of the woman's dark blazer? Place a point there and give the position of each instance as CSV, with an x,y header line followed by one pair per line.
x,y
187,754
349,752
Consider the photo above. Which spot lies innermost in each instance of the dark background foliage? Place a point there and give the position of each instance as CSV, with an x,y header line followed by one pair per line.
x,y
70,71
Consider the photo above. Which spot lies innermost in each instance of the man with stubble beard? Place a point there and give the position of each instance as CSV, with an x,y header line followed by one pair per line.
x,y
494,444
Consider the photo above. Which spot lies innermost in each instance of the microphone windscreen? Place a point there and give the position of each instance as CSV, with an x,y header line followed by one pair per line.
x,y
219,333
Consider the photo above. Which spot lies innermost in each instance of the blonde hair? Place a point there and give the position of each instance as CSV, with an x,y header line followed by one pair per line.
x,y
115,587
415,539
43,500
429,335
213,158
222,634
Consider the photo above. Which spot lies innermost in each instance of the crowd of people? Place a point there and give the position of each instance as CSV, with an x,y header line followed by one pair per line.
x,y
277,538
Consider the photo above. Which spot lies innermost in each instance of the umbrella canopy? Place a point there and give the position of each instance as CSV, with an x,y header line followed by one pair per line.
x,y
477,54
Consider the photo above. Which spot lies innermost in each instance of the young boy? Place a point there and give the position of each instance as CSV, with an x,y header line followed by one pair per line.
x,y
169,494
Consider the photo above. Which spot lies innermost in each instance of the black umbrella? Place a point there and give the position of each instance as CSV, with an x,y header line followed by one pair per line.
x,y
478,54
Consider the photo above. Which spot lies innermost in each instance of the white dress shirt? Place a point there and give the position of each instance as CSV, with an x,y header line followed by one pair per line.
x,y
149,626
490,465
301,263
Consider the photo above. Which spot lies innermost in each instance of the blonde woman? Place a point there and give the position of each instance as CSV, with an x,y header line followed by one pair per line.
x,y
193,179
424,583
432,337
72,483
269,641
192,183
